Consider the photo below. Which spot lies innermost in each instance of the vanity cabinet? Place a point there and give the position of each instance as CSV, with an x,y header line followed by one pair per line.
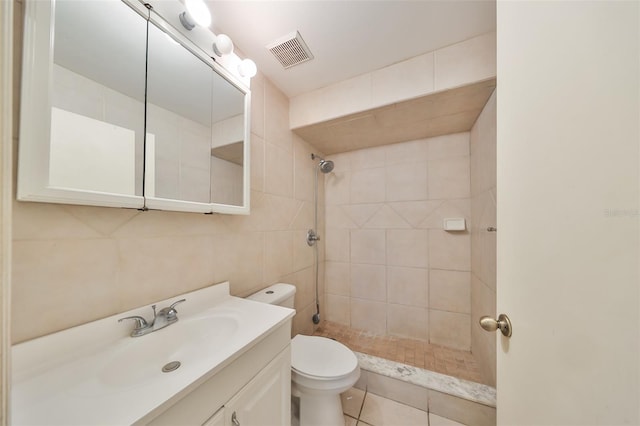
x,y
255,389
217,419
265,401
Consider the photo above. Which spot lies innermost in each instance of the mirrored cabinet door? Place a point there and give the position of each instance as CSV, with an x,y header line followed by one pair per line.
x,y
82,133
178,144
228,143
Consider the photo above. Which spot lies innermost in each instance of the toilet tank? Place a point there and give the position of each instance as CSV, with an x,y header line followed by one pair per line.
x,y
280,294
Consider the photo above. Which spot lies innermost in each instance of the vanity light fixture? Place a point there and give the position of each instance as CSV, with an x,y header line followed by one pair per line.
x,y
196,12
223,45
247,68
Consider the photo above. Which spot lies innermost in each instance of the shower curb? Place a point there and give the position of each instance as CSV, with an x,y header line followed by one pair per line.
x,y
461,400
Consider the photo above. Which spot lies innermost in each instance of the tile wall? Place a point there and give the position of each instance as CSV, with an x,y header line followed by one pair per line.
x,y
483,242
75,264
390,267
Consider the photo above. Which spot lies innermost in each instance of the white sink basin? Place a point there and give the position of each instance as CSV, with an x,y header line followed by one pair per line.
x,y
136,360
97,374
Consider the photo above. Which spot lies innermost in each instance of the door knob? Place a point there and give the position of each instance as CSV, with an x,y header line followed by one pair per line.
x,y
503,324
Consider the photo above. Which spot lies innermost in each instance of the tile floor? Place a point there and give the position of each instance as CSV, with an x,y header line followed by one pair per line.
x,y
457,363
366,409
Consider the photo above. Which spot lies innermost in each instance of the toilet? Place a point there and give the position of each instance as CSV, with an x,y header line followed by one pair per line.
x,y
321,368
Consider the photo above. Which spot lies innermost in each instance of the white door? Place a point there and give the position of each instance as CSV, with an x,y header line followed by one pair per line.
x,y
568,214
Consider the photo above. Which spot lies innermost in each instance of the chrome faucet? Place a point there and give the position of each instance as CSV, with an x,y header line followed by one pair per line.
x,y
161,319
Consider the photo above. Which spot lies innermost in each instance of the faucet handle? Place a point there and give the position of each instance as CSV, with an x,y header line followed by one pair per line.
x,y
140,321
173,305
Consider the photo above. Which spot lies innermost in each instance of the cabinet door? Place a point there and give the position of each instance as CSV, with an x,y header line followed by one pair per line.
x,y
265,400
217,419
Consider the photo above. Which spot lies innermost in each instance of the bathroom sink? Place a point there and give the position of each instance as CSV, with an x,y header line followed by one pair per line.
x,y
97,374
134,360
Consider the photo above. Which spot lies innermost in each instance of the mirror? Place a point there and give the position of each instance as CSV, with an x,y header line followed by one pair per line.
x,y
84,142
178,122
138,116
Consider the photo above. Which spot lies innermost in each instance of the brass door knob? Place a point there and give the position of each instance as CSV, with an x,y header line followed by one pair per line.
x,y
502,323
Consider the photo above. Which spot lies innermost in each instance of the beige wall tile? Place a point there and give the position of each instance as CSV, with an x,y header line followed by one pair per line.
x,y
303,254
386,218
407,248
404,80
337,245
368,185
337,187
449,178
406,181
416,212
338,278
304,281
49,295
278,256
302,323
407,321
278,176
449,250
450,291
407,152
483,344
370,158
336,217
447,208
257,105
163,266
344,97
48,221
369,315
456,145
368,282
304,169
276,118
407,286
368,246
450,329
470,60
338,309
361,213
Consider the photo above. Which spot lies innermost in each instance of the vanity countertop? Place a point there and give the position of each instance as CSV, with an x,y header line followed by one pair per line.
x,y
97,374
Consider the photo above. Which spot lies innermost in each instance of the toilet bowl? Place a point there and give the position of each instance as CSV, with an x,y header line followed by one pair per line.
x,y
321,368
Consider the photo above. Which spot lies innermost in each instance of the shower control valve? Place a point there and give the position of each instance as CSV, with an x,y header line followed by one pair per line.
x,y
312,237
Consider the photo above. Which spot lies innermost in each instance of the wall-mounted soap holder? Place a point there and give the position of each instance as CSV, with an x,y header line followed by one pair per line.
x,y
454,224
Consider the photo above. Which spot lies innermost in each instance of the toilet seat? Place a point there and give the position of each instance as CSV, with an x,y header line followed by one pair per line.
x,y
321,358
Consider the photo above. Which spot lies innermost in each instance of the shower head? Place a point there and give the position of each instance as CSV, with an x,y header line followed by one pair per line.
x,y
325,166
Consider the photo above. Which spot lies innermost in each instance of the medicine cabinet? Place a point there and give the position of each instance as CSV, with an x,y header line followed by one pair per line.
x,y
120,109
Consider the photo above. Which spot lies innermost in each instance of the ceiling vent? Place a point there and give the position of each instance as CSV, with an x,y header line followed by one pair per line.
x,y
291,50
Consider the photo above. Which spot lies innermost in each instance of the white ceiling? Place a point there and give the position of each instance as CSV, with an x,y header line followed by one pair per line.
x,y
348,37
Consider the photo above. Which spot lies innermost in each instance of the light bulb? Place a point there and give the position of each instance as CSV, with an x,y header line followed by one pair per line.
x,y
223,45
197,13
247,68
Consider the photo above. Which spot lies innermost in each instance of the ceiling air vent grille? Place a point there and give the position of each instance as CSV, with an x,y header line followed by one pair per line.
x,y
291,50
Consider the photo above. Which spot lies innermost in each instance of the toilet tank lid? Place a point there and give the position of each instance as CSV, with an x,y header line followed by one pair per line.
x,y
274,294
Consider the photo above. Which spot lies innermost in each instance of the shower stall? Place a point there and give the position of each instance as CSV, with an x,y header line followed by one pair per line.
x,y
397,285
